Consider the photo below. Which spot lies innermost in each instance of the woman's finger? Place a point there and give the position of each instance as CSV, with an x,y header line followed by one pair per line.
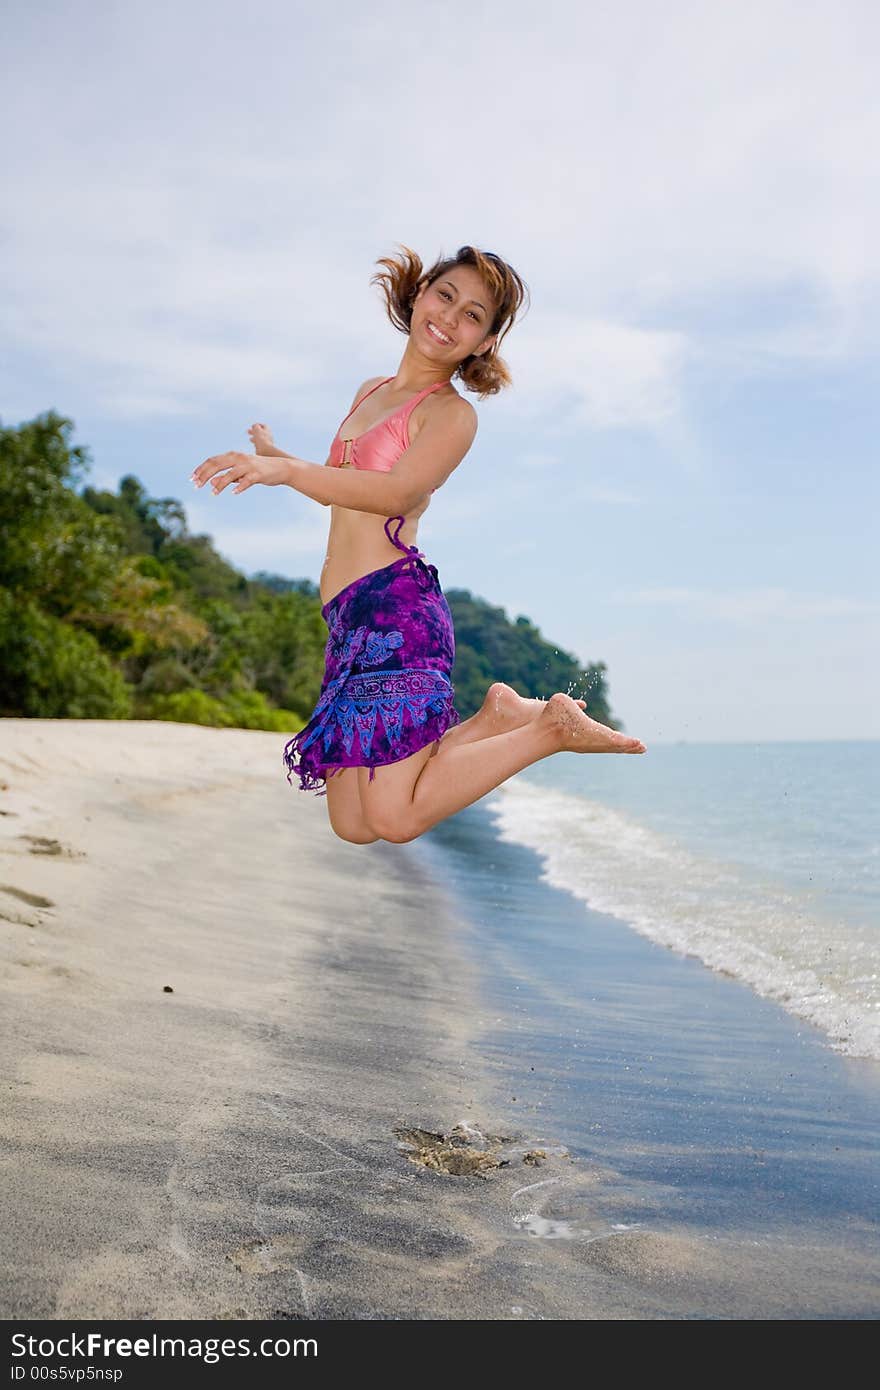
x,y
243,480
201,474
220,463
210,469
220,483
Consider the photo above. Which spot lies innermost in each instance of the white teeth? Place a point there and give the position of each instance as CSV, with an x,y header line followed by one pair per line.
x,y
438,334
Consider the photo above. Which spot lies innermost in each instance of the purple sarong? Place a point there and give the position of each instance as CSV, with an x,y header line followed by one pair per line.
x,y
387,689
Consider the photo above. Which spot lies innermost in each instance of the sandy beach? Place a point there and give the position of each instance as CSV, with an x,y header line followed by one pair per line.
x,y
242,1080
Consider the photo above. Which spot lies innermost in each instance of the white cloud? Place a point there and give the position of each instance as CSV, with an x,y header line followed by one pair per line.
x,y
601,374
543,464
196,196
753,605
283,548
615,497
537,460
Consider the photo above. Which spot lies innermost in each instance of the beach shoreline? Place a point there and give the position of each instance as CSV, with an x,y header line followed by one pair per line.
x,y
222,1023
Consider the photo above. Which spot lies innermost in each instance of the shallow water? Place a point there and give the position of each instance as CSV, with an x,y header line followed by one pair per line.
x,y
724,1121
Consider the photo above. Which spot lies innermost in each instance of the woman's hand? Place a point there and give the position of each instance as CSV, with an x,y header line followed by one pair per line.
x,y
242,469
261,438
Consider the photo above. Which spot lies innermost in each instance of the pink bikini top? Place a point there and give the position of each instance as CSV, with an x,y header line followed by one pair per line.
x,y
378,448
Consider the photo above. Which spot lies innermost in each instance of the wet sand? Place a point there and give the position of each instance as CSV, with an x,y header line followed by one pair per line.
x,y
242,1073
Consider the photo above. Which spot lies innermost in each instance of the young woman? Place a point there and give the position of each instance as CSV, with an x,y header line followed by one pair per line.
x,y
385,743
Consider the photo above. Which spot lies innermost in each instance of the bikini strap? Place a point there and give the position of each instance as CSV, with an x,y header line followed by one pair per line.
x,y
383,382
406,410
427,391
419,567
407,549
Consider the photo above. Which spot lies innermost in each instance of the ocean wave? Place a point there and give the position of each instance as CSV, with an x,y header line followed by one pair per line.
x,y
759,932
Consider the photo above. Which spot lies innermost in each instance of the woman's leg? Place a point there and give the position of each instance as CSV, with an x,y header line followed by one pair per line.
x,y
409,797
501,711
345,810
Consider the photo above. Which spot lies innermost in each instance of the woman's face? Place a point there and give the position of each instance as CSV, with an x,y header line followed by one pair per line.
x,y
457,306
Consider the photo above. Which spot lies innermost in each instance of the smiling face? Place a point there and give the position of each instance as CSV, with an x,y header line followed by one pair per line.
x,y
452,317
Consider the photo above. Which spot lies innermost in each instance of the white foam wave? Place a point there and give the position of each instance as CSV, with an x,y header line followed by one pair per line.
x,y
760,933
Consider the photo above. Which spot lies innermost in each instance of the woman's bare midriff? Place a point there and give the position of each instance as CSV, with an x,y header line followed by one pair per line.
x,y
357,543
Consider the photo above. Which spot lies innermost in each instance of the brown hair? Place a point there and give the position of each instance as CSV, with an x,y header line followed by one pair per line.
x,y
485,373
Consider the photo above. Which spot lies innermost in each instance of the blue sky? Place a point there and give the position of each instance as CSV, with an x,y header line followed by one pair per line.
x,y
682,481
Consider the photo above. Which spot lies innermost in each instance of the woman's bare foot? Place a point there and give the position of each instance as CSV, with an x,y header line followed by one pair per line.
x,y
508,710
261,438
578,733
501,711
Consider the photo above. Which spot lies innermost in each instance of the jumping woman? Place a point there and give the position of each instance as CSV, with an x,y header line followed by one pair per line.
x,y
385,743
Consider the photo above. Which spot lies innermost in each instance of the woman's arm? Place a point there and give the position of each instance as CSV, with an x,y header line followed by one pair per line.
x,y
439,447
382,493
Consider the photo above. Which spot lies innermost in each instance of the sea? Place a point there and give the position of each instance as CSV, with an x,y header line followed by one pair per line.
x,y
761,860
679,965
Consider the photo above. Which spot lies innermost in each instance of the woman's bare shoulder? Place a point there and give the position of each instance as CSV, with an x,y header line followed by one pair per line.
x,y
364,387
443,407
454,406
466,409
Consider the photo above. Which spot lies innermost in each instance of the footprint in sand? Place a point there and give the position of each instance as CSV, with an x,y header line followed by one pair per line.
x,y
32,899
18,919
268,1256
41,845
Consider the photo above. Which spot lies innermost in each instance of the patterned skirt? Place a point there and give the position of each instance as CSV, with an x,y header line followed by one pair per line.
x,y
387,689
